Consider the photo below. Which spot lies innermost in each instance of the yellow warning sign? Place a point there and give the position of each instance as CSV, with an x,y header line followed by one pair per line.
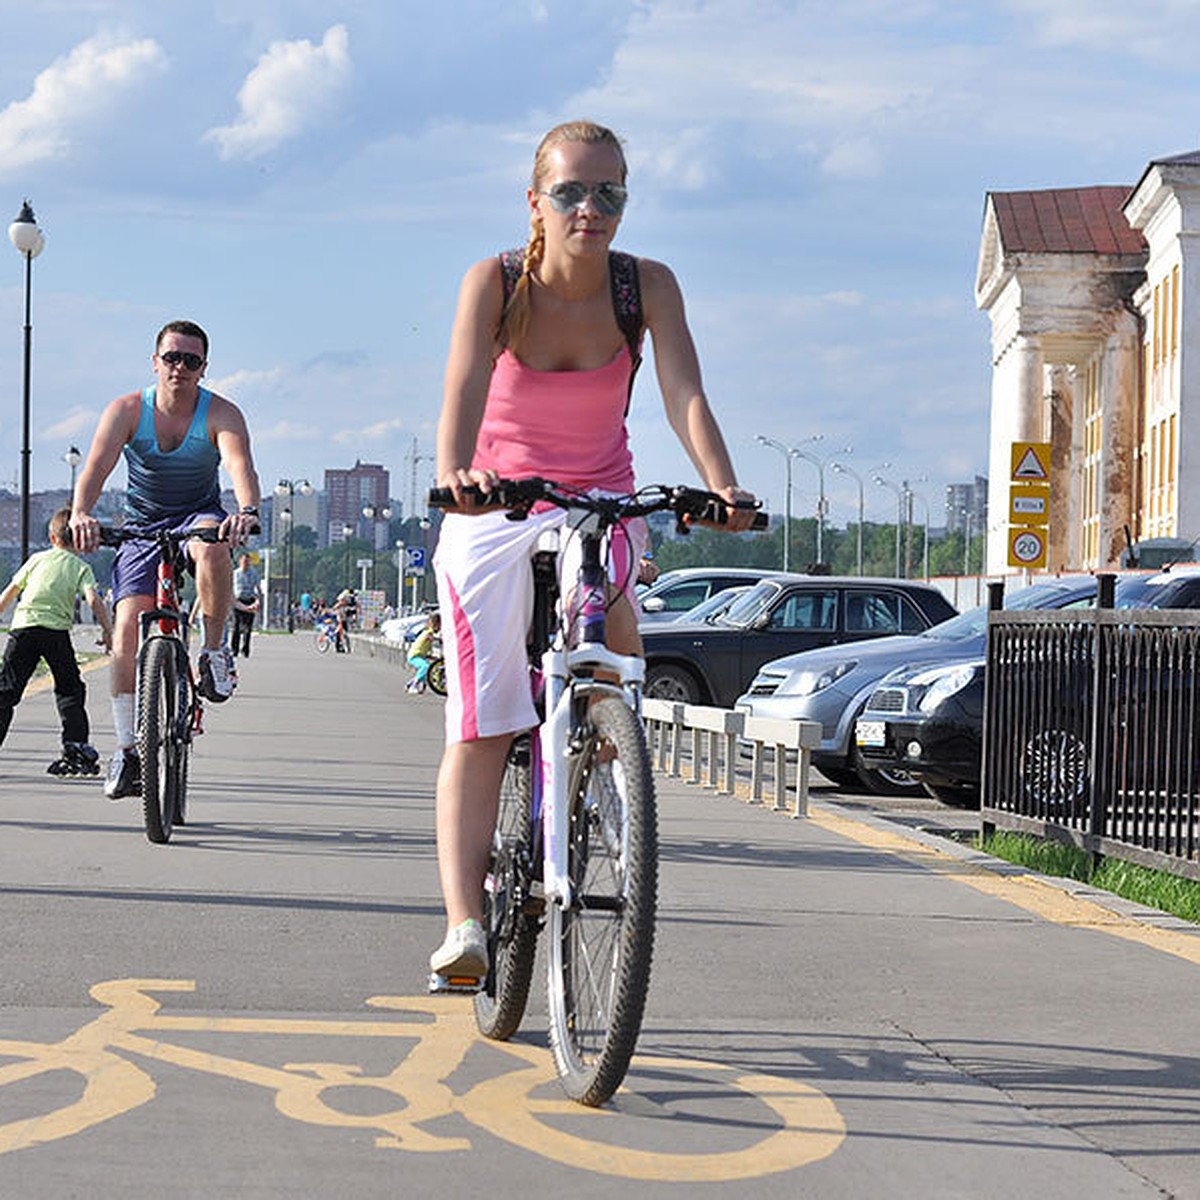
x,y
1029,504
1027,548
1031,462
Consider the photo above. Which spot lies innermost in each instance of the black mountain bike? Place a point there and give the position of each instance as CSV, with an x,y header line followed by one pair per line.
x,y
169,708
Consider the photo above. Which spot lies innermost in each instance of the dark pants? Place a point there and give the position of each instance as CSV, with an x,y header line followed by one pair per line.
x,y
243,622
21,656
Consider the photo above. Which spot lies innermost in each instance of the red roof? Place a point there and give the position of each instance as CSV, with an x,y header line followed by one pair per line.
x,y
1086,220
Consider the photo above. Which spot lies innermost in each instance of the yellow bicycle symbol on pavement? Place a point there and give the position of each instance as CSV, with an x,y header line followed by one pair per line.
x,y
436,1035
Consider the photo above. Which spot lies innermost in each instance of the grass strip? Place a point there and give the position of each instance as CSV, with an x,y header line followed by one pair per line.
x,y
1143,885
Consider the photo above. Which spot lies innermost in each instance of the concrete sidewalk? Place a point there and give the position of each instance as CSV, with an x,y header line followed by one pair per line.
x,y
841,1006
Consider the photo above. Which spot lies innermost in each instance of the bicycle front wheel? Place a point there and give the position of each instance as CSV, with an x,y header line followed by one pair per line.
x,y
511,928
158,744
601,946
322,642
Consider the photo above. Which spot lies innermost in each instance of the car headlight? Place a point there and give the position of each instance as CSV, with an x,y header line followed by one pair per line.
x,y
807,683
942,683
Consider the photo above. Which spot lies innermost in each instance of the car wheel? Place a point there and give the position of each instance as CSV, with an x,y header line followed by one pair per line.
x,y
886,781
845,779
956,797
676,684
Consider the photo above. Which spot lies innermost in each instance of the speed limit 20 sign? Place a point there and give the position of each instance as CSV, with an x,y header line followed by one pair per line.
x,y
1027,548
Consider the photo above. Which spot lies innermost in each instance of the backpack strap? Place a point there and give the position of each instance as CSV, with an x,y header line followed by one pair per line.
x,y
512,263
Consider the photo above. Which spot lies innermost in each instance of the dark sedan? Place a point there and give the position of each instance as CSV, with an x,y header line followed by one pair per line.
x,y
928,720
712,662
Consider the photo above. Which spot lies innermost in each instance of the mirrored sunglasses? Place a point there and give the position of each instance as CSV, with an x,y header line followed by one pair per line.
x,y
193,362
571,193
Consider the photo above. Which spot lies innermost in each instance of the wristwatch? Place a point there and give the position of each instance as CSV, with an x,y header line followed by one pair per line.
x,y
248,510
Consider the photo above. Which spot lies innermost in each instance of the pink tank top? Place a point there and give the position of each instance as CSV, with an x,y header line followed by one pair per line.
x,y
568,426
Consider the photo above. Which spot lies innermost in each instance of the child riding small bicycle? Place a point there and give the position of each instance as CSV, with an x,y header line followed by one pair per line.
x,y
423,651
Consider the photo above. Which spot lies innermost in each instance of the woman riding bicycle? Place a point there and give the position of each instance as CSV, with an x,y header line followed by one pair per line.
x,y
538,379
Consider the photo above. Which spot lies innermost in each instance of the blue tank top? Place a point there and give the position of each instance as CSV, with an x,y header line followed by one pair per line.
x,y
175,484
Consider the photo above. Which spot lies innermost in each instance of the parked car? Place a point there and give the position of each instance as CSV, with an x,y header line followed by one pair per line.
x,y
712,662
927,721
677,592
831,686
719,602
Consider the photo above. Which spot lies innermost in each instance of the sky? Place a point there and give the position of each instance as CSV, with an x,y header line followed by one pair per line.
x,y
309,181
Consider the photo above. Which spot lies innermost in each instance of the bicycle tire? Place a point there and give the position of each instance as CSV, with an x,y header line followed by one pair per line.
x,y
322,643
437,676
602,945
158,739
185,723
511,929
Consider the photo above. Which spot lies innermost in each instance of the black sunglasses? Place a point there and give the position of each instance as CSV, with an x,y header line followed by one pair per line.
x,y
571,193
173,358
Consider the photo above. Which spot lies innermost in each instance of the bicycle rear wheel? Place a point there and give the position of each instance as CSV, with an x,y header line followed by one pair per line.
x,y
437,676
511,928
601,946
158,740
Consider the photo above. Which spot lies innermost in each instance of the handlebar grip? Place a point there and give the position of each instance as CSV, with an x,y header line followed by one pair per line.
x,y
440,497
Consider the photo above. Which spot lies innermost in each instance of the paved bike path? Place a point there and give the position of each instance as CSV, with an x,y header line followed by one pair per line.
x,y
839,1007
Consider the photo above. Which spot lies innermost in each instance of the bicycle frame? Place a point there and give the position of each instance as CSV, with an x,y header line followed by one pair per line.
x,y
567,677
169,618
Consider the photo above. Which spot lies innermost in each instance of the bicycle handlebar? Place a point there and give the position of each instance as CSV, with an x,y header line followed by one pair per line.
x,y
111,535
519,496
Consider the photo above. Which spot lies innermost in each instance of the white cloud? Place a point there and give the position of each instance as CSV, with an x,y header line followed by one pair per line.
x,y
380,429
1158,31
288,431
857,158
77,421
288,91
68,96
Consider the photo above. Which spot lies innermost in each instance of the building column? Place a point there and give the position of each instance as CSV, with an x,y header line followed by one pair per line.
x,y
1118,400
1061,554
1018,415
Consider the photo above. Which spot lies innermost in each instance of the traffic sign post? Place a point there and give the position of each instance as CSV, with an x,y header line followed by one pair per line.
x,y
1029,506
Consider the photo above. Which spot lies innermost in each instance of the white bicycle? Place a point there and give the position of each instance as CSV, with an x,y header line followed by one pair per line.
x,y
576,841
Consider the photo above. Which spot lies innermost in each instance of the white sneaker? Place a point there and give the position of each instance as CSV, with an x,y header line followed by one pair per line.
x,y
218,676
464,952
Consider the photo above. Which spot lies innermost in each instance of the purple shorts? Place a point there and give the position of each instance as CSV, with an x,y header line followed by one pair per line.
x,y
135,565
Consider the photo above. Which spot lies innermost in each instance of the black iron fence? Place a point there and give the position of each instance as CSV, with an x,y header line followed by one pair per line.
x,y
1092,730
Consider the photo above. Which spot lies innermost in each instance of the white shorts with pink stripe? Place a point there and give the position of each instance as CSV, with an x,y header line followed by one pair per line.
x,y
485,592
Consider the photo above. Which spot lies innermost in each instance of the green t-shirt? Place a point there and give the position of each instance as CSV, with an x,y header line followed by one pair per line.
x,y
49,582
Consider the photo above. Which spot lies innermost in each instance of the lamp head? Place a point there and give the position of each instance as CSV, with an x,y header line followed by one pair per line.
x,y
25,234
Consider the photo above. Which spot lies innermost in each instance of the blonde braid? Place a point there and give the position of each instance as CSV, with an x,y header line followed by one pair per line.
x,y
515,323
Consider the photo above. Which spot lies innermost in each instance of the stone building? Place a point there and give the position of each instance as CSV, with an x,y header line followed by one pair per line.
x,y
1094,299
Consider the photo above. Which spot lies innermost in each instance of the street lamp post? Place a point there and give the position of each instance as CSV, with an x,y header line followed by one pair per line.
x,y
787,497
73,458
967,541
424,525
819,463
289,488
29,241
925,547
879,479
347,533
842,469
371,512
400,579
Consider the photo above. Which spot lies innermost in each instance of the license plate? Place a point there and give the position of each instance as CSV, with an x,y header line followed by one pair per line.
x,y
869,733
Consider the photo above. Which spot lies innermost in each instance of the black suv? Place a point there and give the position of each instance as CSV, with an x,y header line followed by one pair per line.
x,y
712,662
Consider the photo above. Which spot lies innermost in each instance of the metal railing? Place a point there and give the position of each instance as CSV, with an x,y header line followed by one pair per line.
x,y
1092,731
708,741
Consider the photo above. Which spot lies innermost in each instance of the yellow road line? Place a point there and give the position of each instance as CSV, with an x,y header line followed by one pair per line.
x,y
1029,892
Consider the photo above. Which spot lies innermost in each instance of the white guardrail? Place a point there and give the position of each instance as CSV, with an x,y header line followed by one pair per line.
x,y
711,749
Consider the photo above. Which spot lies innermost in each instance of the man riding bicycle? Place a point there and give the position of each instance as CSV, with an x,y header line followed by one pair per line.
x,y
175,435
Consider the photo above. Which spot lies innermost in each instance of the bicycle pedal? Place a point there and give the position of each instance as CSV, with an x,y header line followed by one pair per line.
x,y
466,985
